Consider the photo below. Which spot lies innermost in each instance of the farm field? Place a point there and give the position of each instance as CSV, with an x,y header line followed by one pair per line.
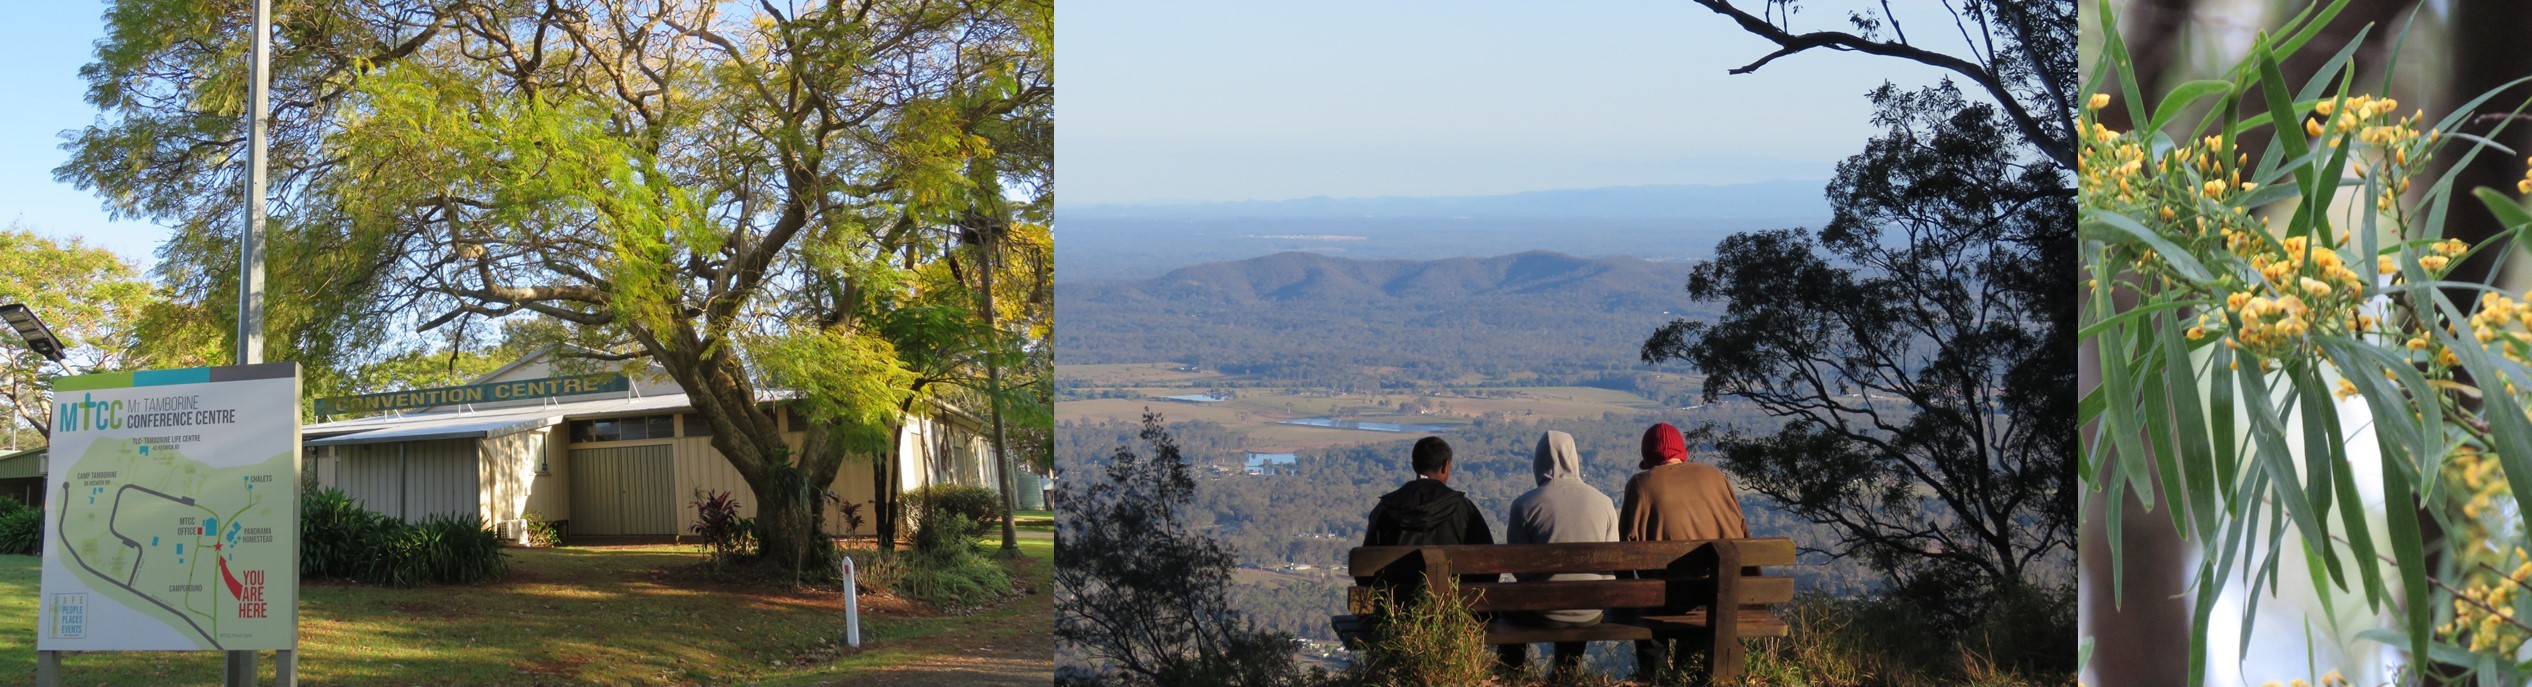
x,y
1122,392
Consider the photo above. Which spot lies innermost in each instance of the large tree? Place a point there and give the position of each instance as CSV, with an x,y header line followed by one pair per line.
x,y
87,295
736,192
1919,353
1909,354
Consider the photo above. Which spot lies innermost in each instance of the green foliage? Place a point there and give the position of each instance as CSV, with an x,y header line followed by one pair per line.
x,y
850,382
543,532
1142,596
340,540
21,529
87,295
979,505
1429,639
956,576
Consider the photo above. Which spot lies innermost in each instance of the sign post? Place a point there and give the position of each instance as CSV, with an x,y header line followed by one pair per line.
x,y
172,518
852,607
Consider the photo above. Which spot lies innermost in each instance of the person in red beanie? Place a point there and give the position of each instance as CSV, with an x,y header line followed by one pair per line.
x,y
1675,500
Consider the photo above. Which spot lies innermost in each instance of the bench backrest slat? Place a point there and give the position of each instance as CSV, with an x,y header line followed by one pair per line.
x,y
1549,596
1569,558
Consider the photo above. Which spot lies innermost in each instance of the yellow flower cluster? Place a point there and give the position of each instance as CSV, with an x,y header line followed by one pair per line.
x,y
2525,185
2374,122
2483,609
2301,286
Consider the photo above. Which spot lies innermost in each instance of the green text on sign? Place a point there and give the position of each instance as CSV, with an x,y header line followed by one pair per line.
x,y
605,382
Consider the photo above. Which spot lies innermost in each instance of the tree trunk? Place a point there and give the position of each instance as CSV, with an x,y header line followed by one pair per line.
x,y
883,486
993,381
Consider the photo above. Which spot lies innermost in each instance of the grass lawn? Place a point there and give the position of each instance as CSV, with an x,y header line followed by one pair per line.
x,y
1033,520
579,615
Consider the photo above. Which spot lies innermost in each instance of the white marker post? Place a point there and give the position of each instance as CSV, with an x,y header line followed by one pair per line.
x,y
852,607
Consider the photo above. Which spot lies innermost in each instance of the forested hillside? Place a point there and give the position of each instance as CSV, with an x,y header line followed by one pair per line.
x,y
1533,318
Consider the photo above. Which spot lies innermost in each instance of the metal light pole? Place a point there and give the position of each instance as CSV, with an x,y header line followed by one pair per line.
x,y
250,282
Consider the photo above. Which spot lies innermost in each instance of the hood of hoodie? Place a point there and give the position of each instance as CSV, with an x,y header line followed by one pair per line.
x,y
1556,458
1423,505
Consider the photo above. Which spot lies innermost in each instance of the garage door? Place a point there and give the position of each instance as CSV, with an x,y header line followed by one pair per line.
x,y
624,490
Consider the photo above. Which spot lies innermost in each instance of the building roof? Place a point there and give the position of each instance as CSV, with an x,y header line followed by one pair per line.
x,y
481,423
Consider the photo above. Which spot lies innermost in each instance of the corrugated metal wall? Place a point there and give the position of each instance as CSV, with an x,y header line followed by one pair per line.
x,y
441,478
410,480
624,490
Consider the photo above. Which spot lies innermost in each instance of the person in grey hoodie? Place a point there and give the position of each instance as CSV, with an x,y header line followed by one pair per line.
x,y
1562,509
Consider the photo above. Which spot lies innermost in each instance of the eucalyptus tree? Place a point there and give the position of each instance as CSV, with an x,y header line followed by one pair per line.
x,y
737,192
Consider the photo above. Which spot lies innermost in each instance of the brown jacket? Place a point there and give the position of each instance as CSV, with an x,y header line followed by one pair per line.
x,y
1680,501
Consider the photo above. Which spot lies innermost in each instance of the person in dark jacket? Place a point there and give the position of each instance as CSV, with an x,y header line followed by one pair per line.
x,y
1426,511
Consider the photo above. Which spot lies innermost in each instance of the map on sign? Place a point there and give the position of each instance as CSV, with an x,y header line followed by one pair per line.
x,y
173,512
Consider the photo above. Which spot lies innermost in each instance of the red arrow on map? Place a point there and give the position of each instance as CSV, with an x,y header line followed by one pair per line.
x,y
235,590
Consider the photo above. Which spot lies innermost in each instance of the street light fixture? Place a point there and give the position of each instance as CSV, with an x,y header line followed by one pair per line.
x,y
32,329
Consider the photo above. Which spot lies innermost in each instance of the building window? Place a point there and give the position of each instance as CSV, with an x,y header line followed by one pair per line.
x,y
624,428
799,422
696,426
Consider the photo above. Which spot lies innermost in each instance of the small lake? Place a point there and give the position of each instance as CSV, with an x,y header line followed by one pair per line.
x,y
1365,426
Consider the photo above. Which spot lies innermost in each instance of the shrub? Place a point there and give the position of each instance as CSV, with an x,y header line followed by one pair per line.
x,y
9,505
725,535
543,532
459,550
852,511
340,540
954,576
21,530
947,530
979,504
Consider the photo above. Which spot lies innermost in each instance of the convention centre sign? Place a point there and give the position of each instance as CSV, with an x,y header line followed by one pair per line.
x,y
574,385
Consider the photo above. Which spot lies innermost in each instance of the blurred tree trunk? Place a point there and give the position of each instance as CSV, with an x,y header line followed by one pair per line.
x,y
2489,50
2152,33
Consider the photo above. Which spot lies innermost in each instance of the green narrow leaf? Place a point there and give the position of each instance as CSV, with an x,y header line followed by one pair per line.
x,y
2159,440
2408,549
2094,221
2180,98
2121,419
2189,424
2268,432
2221,407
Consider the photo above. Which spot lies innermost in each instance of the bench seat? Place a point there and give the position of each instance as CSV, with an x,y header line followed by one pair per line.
x,y
1723,578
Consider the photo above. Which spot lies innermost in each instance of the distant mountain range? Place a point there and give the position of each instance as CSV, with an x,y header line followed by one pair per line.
x,y
1313,277
1761,200
1674,223
1309,316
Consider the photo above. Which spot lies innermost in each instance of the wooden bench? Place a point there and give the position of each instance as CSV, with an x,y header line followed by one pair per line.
x,y
1681,604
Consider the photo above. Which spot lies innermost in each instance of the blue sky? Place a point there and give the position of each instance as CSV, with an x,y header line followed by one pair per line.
x,y
1263,101
45,43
